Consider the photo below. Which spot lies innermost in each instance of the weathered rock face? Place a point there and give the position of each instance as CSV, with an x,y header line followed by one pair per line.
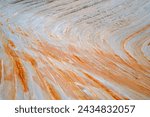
x,y
74,49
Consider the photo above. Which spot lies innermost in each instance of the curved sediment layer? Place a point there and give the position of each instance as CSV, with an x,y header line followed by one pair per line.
x,y
74,49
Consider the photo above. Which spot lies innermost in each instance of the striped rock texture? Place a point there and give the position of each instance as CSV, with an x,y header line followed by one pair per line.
x,y
74,49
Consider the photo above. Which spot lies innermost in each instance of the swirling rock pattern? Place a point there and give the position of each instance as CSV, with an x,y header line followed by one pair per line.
x,y
74,49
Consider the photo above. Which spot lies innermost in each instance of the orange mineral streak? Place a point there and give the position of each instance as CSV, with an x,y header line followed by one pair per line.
x,y
53,92
121,77
10,29
76,78
132,62
100,85
21,32
42,82
73,53
50,51
124,77
30,59
18,67
68,83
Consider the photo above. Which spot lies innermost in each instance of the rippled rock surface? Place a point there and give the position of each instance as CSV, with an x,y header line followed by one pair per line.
x,y
74,49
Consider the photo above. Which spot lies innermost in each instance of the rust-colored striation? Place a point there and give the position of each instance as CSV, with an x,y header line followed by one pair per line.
x,y
55,95
18,67
75,49
100,85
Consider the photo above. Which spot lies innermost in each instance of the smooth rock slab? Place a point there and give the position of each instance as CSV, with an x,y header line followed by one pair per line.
x,y
74,49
